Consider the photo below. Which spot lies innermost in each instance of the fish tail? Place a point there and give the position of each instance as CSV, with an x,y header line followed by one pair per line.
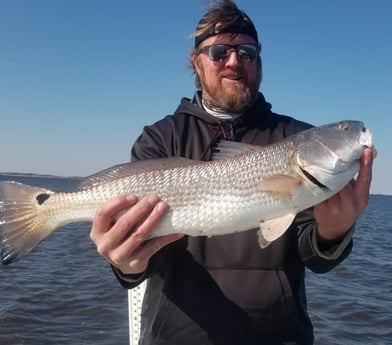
x,y
24,220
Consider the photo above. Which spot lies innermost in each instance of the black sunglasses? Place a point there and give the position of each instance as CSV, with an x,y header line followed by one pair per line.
x,y
221,52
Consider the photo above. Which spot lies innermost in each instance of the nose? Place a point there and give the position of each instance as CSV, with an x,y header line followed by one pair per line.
x,y
233,58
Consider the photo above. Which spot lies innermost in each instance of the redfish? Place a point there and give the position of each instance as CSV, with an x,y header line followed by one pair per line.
x,y
243,187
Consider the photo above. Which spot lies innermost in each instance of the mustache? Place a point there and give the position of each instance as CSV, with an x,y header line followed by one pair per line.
x,y
229,73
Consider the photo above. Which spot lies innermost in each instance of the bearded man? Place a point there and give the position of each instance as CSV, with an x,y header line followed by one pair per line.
x,y
224,289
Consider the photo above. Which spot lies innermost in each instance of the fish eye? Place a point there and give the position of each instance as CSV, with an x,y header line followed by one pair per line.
x,y
344,126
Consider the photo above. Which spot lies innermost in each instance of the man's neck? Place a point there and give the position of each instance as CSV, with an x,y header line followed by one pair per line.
x,y
219,114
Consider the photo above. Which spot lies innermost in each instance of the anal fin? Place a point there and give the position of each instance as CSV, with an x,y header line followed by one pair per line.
x,y
272,229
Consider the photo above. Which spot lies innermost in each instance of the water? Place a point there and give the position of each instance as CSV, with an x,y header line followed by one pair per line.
x,y
64,293
353,304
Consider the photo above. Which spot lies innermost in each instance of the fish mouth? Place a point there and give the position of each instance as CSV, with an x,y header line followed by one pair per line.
x,y
312,179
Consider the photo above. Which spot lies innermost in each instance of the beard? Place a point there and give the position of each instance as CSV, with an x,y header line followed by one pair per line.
x,y
236,98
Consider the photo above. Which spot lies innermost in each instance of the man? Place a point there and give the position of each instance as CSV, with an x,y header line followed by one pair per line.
x,y
225,289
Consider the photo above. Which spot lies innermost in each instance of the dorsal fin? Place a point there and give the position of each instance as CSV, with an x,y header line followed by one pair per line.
x,y
226,149
134,168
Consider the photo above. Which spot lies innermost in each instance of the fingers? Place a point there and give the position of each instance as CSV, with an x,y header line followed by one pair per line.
x,y
137,248
364,179
139,221
142,219
108,234
125,243
138,258
336,215
354,197
104,216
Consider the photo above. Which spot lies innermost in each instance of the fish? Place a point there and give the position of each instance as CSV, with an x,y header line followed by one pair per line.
x,y
243,187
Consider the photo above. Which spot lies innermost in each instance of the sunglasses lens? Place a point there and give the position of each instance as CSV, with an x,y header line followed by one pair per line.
x,y
220,52
247,52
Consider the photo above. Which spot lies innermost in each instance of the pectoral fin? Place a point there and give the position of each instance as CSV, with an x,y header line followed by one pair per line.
x,y
283,185
272,229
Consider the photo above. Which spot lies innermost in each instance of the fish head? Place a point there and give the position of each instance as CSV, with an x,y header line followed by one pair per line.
x,y
330,155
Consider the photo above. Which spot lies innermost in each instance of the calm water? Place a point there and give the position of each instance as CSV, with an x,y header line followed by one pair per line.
x,y
64,293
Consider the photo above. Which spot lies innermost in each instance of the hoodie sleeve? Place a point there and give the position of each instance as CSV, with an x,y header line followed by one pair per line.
x,y
320,259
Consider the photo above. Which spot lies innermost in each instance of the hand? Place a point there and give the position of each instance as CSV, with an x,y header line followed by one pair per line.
x,y
338,214
124,243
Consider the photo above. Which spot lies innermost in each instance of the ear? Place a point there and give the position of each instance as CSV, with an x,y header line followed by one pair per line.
x,y
195,61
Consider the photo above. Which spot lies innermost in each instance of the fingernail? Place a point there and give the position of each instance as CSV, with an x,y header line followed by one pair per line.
x,y
162,208
131,198
153,199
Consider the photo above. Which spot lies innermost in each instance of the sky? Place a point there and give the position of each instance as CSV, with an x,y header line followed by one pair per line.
x,y
80,78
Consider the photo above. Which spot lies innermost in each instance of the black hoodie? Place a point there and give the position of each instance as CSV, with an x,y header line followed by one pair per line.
x,y
225,289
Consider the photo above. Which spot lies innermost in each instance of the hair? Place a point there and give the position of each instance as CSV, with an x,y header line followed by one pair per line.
x,y
221,16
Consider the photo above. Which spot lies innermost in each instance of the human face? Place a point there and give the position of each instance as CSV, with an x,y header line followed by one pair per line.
x,y
230,85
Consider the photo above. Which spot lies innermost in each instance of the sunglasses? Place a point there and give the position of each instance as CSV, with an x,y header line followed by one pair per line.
x,y
220,52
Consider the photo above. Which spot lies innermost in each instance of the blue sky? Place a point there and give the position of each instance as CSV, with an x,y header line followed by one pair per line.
x,y
80,78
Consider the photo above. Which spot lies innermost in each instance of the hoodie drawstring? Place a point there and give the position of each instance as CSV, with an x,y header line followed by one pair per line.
x,y
226,130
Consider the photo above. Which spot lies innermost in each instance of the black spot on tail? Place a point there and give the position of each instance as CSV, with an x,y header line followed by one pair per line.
x,y
41,198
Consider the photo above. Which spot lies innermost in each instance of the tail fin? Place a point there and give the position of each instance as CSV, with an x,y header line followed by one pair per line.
x,y
23,220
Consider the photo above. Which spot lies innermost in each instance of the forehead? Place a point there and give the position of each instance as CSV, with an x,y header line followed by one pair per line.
x,y
227,38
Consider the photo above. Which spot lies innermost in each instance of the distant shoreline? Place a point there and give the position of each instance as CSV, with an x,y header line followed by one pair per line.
x,y
16,174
